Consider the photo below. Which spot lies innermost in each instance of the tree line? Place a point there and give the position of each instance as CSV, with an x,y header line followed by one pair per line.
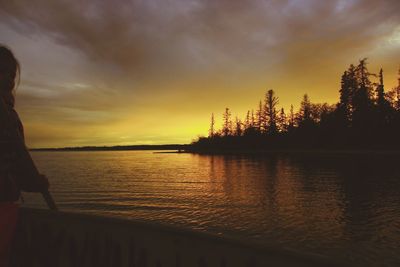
x,y
366,116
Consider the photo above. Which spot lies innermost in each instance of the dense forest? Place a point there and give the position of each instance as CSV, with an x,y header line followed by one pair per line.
x,y
366,117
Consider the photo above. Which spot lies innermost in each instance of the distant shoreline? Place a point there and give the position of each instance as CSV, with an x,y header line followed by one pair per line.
x,y
180,148
116,148
294,151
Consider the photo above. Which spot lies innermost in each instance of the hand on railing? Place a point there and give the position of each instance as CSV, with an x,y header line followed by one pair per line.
x,y
45,192
44,181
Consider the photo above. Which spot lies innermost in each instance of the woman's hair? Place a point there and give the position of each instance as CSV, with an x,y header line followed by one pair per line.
x,y
9,72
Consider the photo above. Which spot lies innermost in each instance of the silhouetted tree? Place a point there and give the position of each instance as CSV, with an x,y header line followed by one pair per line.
x,y
362,102
291,118
227,123
282,121
250,129
260,117
397,104
344,105
397,98
393,98
365,116
326,110
305,109
247,121
253,120
271,101
352,83
364,81
212,125
238,127
394,95
380,92
384,110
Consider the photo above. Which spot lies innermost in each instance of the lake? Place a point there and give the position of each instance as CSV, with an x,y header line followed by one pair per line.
x,y
344,206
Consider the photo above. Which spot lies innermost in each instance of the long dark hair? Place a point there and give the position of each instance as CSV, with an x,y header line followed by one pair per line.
x,y
9,75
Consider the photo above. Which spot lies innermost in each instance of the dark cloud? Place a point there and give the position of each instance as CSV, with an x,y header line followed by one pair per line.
x,y
149,36
106,57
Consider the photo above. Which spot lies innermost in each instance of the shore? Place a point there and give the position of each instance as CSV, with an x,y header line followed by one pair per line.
x,y
186,148
116,148
291,151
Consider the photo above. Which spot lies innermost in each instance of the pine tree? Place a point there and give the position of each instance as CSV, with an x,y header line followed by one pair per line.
x,y
260,117
363,76
212,125
247,122
271,101
397,101
253,119
380,92
362,102
352,84
238,127
282,121
305,109
227,123
372,118
397,94
362,97
291,118
344,106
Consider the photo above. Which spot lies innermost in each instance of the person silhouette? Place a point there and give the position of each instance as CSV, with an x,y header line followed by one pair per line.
x,y
16,172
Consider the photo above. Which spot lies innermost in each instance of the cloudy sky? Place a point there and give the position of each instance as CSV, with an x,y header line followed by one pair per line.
x,y
152,71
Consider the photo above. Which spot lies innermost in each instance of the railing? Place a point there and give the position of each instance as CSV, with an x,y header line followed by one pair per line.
x,y
46,238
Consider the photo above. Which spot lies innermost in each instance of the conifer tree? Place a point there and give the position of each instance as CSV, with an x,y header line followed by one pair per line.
x,y
397,94
362,102
227,123
282,121
352,84
305,109
345,91
380,92
238,127
260,117
271,101
247,121
362,96
212,125
370,118
291,118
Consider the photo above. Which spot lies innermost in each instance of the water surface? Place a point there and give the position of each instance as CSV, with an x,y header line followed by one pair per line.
x,y
342,206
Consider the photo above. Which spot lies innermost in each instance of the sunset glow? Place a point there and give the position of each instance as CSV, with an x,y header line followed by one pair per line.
x,y
152,72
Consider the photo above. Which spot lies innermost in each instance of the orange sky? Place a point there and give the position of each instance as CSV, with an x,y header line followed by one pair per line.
x,y
151,72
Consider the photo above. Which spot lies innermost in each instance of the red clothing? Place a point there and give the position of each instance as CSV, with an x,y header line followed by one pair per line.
x,y
8,222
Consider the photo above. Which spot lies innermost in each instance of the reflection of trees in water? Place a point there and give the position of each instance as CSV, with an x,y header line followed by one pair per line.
x,y
324,198
277,193
367,186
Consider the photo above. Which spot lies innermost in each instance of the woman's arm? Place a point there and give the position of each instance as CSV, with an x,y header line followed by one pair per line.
x,y
24,171
27,175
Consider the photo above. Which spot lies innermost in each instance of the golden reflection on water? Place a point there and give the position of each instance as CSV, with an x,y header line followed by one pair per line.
x,y
276,190
313,203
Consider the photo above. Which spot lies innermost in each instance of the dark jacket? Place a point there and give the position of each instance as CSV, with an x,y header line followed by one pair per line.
x,y
17,170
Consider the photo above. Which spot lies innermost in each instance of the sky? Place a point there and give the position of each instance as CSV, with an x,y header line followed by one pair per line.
x,y
152,71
